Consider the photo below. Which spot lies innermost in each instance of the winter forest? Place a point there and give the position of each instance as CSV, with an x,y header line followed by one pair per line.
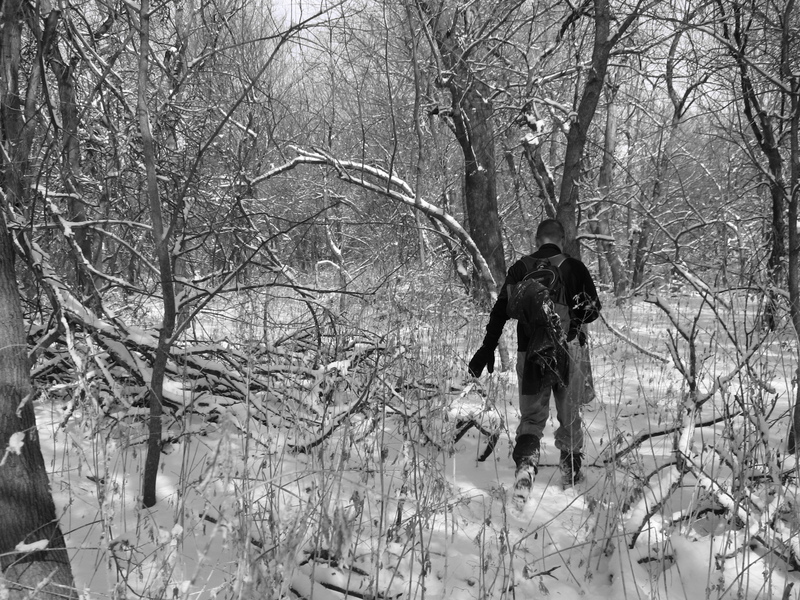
x,y
247,248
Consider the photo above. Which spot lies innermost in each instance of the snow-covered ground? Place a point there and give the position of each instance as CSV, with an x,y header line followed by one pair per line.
x,y
389,507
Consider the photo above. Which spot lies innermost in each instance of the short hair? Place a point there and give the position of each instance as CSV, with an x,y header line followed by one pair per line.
x,y
550,229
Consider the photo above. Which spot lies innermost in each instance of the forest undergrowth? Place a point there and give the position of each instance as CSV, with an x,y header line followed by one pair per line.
x,y
336,448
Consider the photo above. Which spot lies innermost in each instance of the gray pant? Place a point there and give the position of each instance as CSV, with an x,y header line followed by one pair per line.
x,y
535,408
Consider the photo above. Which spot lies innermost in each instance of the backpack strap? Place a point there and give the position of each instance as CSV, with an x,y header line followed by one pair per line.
x,y
557,260
529,262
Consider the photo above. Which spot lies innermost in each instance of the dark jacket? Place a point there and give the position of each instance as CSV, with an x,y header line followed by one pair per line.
x,y
578,287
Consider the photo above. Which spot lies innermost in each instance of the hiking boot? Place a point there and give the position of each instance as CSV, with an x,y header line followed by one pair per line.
x,y
530,462
523,483
526,452
570,465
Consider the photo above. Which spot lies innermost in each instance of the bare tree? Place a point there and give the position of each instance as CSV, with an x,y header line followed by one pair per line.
x,y
762,46
170,230
604,41
738,29
599,221
471,113
33,557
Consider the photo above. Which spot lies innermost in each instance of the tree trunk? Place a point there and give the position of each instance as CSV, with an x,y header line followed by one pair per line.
x,y
27,511
162,245
600,225
794,247
569,195
794,213
543,177
471,114
473,123
520,200
70,151
422,238
577,135
639,245
761,122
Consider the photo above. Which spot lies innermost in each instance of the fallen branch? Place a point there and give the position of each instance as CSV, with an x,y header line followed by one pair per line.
x,y
630,342
611,456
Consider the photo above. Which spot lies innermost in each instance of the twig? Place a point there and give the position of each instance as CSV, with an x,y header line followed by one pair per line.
x,y
493,439
356,406
463,426
627,340
528,575
643,437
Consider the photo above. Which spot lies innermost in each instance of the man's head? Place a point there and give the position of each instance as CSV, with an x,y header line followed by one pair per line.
x,y
550,231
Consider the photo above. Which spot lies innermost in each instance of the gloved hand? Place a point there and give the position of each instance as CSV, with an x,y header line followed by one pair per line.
x,y
484,357
575,332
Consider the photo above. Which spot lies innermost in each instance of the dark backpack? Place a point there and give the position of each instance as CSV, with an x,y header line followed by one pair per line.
x,y
539,303
539,295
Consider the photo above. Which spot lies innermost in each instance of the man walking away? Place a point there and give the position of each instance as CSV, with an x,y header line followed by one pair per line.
x,y
545,358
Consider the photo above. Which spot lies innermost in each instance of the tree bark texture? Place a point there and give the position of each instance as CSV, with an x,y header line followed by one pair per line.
x,y
471,114
27,511
793,81
762,125
794,246
161,242
768,129
600,225
543,177
68,109
569,194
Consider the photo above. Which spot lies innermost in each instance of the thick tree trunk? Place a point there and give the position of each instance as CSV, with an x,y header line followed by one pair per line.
x,y
471,115
27,512
569,195
604,42
32,551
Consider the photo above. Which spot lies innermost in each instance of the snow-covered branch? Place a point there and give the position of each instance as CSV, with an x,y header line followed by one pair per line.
x,y
391,186
617,333
708,294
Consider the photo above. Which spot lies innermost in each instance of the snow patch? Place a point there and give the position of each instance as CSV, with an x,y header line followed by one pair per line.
x,y
24,548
